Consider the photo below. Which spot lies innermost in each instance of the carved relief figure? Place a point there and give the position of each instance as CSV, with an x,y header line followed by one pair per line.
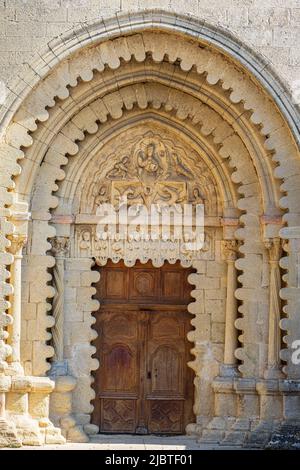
x,y
85,243
151,169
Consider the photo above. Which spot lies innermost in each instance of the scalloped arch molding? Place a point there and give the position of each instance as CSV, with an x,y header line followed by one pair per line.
x,y
104,79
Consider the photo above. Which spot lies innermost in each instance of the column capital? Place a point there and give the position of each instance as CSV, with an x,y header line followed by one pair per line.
x,y
18,241
230,249
60,246
273,245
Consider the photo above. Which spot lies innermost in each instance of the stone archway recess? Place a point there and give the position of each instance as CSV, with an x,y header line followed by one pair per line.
x,y
216,91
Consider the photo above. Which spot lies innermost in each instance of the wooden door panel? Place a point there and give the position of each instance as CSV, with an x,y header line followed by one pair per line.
x,y
165,416
113,285
166,372
165,327
143,284
172,285
118,415
143,384
121,371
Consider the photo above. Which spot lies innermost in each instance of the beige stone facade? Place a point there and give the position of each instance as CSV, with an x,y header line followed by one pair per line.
x,y
211,95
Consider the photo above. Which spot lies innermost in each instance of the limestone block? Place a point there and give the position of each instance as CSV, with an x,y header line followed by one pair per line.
x,y
89,277
216,308
8,434
77,434
17,402
27,430
27,367
67,422
29,311
83,418
73,313
65,384
39,405
73,278
41,352
82,395
218,332
91,429
53,436
202,324
216,269
60,403
70,295
215,294
75,264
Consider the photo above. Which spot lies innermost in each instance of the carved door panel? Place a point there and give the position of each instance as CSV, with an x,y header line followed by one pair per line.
x,y
143,384
118,380
169,382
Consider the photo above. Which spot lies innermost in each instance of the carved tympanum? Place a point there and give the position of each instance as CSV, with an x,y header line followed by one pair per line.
x,y
147,169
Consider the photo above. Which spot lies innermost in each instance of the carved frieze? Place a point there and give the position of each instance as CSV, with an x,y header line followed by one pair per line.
x,y
135,247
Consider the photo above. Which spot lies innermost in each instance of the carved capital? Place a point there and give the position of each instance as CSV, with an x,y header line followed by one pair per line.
x,y
274,246
17,244
230,249
60,246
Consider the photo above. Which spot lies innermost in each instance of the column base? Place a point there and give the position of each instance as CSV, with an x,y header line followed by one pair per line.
x,y
27,410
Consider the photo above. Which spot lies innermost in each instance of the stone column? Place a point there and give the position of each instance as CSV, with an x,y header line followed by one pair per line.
x,y
274,369
229,368
225,411
17,244
60,247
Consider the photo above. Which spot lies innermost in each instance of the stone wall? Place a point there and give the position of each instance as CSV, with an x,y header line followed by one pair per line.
x,y
271,28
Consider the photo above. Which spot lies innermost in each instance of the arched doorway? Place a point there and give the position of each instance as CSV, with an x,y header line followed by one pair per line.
x,y
72,133
143,384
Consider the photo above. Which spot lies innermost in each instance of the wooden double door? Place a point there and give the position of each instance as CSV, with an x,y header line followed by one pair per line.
x,y
143,384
